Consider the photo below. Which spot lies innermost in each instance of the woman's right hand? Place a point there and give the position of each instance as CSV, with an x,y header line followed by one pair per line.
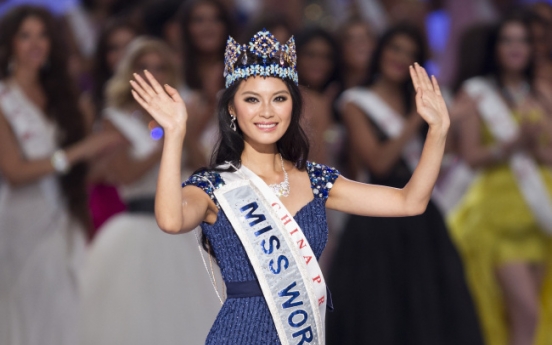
x,y
164,104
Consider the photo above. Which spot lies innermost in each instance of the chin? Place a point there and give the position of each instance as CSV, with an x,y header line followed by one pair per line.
x,y
265,139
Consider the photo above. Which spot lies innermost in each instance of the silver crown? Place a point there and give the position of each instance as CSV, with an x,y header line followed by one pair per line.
x,y
266,48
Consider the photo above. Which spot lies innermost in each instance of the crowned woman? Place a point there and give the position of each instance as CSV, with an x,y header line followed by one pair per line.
x,y
261,204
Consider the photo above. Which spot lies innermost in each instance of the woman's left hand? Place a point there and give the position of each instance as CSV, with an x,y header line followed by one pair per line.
x,y
429,101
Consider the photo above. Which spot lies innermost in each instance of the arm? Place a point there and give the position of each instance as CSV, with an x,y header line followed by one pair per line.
x,y
378,157
177,209
19,171
370,200
471,147
121,168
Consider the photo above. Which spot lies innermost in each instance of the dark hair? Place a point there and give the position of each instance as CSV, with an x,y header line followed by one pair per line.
x,y
61,98
101,71
267,22
191,58
491,66
116,8
374,69
158,14
472,53
308,35
293,146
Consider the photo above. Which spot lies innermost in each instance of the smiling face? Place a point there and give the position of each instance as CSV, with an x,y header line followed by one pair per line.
x,y
513,48
31,44
263,108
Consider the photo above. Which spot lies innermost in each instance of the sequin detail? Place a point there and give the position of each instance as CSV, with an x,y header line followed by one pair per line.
x,y
207,180
322,179
248,320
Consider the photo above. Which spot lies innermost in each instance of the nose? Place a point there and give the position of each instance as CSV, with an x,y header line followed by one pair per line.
x,y
266,111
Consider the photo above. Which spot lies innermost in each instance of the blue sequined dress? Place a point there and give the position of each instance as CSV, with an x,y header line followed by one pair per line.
x,y
248,320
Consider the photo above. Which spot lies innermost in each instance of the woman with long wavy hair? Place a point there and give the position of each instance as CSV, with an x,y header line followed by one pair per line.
x,y
43,201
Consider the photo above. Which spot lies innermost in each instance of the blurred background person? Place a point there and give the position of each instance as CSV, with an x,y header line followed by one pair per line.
x,y
357,44
44,217
205,26
112,42
319,74
395,280
276,25
318,66
456,176
142,286
161,21
503,244
541,27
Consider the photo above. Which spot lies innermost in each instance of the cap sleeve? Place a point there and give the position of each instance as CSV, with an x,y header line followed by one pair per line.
x,y
206,180
322,178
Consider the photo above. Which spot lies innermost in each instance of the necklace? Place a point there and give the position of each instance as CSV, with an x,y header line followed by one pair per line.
x,y
282,188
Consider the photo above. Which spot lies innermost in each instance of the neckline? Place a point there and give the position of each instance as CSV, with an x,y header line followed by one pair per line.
x,y
304,207
14,86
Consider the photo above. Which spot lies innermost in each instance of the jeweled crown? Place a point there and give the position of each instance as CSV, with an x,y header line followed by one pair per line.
x,y
264,56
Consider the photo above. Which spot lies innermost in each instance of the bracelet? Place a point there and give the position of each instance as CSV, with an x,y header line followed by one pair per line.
x,y
59,162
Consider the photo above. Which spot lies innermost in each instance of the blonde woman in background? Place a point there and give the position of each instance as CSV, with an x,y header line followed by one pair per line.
x,y
142,286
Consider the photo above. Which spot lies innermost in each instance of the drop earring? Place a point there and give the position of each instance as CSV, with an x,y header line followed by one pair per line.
x,y
233,122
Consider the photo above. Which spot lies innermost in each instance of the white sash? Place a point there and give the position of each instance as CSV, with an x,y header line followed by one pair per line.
x,y
392,124
286,267
134,130
499,121
387,119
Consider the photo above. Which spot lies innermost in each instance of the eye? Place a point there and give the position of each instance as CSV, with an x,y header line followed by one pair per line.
x,y
281,99
251,100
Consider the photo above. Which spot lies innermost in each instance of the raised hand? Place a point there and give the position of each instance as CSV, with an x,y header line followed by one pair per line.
x,y
429,101
164,104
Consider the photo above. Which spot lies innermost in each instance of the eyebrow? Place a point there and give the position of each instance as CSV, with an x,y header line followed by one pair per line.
x,y
257,94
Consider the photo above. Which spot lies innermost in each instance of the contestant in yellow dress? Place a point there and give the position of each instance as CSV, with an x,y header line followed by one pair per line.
x,y
493,226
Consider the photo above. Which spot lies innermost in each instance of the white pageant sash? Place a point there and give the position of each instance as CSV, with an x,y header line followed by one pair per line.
x,y
134,130
499,121
387,119
287,270
392,124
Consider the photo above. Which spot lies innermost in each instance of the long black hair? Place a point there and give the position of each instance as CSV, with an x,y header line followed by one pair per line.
x,y
310,34
374,70
101,71
191,57
293,145
61,107
472,52
491,66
